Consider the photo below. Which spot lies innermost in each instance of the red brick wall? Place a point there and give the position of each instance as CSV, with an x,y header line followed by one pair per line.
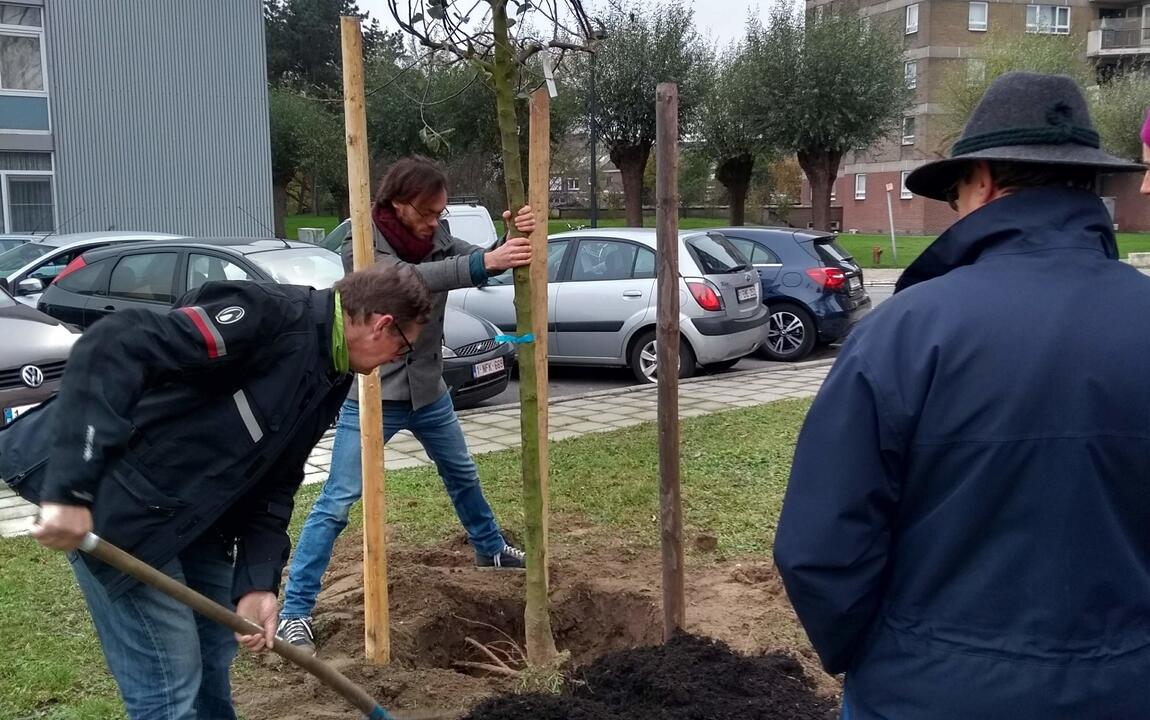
x,y
914,216
1131,207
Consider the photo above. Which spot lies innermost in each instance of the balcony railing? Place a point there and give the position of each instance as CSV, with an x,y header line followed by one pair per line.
x,y
1121,34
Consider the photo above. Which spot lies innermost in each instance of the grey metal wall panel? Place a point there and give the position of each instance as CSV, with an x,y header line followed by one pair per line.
x,y
160,116
23,113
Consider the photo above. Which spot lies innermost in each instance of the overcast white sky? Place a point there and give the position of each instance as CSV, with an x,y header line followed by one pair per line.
x,y
724,19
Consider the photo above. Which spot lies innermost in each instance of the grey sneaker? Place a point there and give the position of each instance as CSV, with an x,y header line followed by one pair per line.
x,y
509,558
298,632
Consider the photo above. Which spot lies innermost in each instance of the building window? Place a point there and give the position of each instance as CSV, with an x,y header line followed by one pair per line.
x,y
26,192
908,130
860,186
21,50
910,71
834,192
1048,19
975,72
978,16
572,183
911,19
905,194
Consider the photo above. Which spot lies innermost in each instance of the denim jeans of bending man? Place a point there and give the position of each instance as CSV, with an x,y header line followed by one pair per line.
x,y
437,428
169,663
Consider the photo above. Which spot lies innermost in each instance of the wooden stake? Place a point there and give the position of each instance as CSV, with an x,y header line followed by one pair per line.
x,y
533,389
377,641
667,342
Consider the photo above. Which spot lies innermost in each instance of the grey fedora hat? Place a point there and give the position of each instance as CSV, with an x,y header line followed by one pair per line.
x,y
1023,117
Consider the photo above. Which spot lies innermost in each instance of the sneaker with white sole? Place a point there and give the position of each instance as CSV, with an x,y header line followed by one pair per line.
x,y
509,558
298,632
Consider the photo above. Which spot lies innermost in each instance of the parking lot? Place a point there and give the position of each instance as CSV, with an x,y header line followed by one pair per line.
x,y
579,380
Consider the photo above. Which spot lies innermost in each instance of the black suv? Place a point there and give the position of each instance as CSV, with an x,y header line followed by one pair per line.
x,y
813,287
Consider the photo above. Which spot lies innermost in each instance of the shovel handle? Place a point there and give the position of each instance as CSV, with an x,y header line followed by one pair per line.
x,y
130,565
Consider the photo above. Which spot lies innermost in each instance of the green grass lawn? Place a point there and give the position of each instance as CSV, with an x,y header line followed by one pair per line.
x,y
292,224
735,468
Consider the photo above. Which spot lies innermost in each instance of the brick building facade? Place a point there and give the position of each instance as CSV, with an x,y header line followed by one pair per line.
x,y
940,38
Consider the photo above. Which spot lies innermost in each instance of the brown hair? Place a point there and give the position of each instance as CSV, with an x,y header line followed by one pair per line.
x,y
383,289
412,177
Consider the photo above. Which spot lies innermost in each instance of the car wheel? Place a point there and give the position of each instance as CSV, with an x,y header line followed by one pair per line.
x,y
722,366
791,334
644,363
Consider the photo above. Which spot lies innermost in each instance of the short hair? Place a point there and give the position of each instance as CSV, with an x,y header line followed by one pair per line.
x,y
1017,175
385,289
409,178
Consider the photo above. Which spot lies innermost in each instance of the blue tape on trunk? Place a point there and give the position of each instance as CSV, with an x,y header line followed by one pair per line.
x,y
516,339
378,713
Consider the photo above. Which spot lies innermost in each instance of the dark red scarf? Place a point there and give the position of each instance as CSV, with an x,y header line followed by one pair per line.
x,y
407,245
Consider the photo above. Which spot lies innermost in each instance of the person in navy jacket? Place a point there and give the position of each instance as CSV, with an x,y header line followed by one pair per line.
x,y
966,532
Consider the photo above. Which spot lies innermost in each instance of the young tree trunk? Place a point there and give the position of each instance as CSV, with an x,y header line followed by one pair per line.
x,y
735,175
279,203
632,162
537,618
821,168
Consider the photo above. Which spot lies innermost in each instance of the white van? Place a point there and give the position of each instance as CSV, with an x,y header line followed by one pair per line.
x,y
470,222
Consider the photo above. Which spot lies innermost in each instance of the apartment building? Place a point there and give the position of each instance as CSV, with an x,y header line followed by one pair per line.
x,y
941,37
134,116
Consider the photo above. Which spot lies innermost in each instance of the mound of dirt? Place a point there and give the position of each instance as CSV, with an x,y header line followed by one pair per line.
x,y
689,678
604,603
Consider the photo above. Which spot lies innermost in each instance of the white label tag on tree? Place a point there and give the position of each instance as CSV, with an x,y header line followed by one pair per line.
x,y
549,74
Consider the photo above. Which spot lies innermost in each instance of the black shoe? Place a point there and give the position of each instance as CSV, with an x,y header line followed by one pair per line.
x,y
298,632
509,558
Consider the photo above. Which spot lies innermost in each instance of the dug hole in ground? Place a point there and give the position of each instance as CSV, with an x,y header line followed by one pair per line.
x,y
745,659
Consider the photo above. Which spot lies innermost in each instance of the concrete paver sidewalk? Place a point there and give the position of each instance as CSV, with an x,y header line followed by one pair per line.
x,y
497,428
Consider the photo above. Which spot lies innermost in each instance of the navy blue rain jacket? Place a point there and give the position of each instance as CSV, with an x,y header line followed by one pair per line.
x,y
966,532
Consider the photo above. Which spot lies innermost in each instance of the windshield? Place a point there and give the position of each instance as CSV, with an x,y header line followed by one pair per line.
x,y
16,258
716,254
316,267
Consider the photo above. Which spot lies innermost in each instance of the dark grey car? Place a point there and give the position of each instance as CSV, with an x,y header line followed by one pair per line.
x,y
32,356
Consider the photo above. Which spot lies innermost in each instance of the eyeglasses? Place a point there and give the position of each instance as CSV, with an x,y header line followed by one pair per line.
x,y
425,215
951,197
409,348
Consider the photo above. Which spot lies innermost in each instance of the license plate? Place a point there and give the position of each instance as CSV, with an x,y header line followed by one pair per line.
x,y
746,293
12,413
855,283
491,367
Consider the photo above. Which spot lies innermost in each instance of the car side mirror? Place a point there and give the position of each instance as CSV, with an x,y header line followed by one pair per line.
x,y
29,286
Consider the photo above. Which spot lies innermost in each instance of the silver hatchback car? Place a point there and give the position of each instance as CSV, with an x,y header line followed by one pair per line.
x,y
602,301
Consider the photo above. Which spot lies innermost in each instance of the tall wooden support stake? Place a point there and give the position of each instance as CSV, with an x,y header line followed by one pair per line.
x,y
377,641
533,387
667,341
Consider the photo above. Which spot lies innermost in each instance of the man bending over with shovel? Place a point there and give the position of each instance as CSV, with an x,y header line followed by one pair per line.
x,y
182,439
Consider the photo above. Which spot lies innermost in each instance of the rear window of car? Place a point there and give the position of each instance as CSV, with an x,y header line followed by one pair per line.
x,y
315,267
833,249
716,255
84,281
16,258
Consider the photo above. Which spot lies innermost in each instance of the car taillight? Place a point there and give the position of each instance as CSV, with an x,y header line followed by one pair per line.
x,y
829,278
705,295
72,267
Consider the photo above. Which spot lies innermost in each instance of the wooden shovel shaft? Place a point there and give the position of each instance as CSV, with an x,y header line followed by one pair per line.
x,y
122,561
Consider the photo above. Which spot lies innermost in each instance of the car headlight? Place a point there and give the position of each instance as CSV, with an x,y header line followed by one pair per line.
x,y
448,352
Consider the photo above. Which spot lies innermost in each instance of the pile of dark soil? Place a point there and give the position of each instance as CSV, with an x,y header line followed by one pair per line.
x,y
689,678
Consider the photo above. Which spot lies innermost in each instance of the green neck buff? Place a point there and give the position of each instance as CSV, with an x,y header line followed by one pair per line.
x,y
338,341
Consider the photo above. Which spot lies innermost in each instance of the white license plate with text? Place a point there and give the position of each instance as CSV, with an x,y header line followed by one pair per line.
x,y
491,367
12,413
855,283
746,293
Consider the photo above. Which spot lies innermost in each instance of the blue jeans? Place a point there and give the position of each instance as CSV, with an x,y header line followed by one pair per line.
x,y
437,428
169,663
